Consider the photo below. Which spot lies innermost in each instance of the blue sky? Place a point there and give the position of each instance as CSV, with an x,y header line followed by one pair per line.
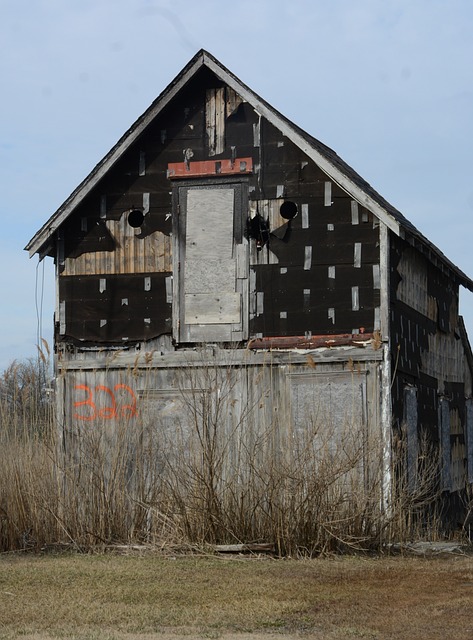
x,y
388,84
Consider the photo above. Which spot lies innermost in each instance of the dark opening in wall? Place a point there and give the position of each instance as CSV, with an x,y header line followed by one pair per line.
x,y
288,210
135,218
258,229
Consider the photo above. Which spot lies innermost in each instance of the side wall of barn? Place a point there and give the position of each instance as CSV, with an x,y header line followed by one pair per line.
x,y
431,368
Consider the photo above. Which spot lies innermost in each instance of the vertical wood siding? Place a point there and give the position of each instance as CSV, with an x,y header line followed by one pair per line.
x,y
269,409
429,355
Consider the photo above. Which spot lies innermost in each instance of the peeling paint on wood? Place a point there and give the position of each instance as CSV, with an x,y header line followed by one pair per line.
x,y
306,294
305,216
354,212
307,258
355,299
257,133
377,319
142,164
259,303
169,289
146,203
328,194
357,255
62,317
376,277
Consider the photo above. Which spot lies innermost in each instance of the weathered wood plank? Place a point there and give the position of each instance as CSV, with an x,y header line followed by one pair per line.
x,y
212,308
215,120
192,358
262,547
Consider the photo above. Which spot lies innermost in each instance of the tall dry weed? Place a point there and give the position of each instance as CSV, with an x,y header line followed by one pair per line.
x,y
196,469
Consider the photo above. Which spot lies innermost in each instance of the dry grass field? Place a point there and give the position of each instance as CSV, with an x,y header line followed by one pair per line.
x,y
139,597
314,504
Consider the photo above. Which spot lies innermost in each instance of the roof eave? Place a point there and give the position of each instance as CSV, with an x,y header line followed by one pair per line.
x,y
202,58
55,221
281,123
439,259
41,241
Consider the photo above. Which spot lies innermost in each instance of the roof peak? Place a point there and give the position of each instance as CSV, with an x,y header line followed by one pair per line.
x,y
338,171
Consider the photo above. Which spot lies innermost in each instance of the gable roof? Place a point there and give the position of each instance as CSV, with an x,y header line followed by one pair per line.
x,y
338,170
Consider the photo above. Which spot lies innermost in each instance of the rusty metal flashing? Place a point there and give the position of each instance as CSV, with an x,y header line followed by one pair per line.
x,y
316,342
205,168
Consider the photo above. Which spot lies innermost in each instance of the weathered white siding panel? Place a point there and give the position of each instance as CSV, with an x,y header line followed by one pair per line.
x,y
333,400
210,296
209,223
212,308
211,274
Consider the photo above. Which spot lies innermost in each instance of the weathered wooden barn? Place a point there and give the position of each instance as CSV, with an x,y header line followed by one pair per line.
x,y
218,233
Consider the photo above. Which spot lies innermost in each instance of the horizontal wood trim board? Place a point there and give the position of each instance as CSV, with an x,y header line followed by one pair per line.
x,y
243,357
210,168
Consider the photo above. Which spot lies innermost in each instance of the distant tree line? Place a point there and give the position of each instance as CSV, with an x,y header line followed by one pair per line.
x,y
25,402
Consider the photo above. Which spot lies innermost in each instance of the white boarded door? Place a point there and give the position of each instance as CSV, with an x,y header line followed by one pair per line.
x,y
329,423
212,264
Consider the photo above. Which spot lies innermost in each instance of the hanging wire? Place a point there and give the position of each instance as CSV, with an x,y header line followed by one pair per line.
x,y
39,299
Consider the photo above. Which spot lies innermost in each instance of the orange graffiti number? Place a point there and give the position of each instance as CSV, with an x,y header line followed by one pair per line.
x,y
88,402
93,407
129,409
109,411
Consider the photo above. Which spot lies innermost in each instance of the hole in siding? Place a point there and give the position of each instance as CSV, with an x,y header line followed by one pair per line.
x,y
258,229
135,218
288,210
